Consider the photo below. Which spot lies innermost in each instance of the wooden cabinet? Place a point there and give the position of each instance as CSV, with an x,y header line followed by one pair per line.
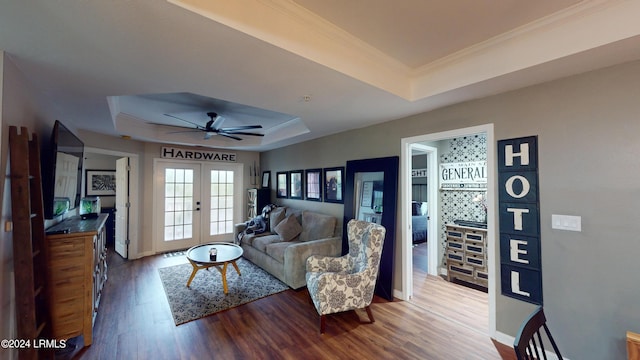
x,y
466,254
77,262
633,346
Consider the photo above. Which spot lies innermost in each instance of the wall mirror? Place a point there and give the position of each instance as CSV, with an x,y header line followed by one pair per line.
x,y
371,194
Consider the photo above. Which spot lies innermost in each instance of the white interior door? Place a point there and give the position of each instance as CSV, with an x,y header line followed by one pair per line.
x,y
122,207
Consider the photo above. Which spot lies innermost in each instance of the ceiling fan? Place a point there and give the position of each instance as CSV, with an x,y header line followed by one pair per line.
x,y
214,127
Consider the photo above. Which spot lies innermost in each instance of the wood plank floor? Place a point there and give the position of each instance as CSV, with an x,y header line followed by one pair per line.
x,y
134,322
463,304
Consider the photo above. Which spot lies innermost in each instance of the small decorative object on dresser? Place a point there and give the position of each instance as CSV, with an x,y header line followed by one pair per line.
x,y
466,254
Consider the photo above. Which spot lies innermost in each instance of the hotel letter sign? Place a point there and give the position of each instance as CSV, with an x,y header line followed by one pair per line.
x,y
519,214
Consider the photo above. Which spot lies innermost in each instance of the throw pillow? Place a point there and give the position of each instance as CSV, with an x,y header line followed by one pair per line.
x,y
276,216
288,228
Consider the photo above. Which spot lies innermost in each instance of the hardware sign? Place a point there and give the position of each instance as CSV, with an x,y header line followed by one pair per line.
x,y
199,155
519,214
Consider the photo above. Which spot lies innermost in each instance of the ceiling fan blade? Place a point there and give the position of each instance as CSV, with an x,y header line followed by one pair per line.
x,y
236,128
229,136
208,135
185,131
240,133
176,126
187,121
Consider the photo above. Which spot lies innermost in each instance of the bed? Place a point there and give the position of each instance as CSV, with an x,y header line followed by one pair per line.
x,y
419,222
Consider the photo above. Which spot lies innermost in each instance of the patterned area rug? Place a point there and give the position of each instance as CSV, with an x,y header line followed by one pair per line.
x,y
206,297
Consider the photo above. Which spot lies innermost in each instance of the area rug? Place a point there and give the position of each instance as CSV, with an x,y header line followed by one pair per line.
x,y
205,296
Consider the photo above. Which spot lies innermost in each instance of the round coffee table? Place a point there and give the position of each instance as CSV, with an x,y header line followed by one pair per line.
x,y
227,254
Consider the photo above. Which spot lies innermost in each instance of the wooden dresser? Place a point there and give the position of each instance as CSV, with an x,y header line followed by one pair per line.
x,y
77,262
466,254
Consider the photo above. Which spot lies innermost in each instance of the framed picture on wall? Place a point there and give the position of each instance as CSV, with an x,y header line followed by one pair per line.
x,y
266,179
101,183
367,194
334,185
282,183
313,181
296,184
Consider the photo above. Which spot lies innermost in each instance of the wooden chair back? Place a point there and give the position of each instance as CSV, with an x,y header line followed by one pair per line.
x,y
529,343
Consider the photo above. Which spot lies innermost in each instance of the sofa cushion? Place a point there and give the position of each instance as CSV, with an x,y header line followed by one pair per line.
x,y
277,215
276,250
317,226
247,239
261,242
288,228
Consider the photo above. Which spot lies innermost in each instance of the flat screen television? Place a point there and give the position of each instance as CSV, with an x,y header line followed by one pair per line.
x,y
62,172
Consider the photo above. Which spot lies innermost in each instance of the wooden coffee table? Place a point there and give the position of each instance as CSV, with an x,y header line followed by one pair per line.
x,y
199,258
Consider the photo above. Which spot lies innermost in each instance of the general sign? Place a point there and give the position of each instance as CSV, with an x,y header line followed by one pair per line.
x,y
519,214
469,175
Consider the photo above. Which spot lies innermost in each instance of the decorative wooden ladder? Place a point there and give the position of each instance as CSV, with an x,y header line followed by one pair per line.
x,y
29,260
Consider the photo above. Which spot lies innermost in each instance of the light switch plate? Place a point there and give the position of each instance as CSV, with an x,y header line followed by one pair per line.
x,y
566,222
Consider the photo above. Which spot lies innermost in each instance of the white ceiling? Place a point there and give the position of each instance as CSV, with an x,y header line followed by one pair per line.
x,y
316,67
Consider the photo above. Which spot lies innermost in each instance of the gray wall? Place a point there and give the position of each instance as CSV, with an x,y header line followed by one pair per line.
x,y
589,155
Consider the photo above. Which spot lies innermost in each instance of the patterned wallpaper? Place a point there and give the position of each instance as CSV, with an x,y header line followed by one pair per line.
x,y
458,204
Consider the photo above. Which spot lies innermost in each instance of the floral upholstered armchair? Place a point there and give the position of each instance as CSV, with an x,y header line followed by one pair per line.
x,y
344,283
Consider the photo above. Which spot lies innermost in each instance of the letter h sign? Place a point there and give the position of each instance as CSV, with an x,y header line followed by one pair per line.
x,y
519,215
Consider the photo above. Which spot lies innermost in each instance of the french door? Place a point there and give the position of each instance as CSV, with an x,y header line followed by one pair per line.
x,y
196,203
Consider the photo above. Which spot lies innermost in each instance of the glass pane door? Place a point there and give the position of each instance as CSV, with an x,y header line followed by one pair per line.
x,y
179,197
196,203
221,219
224,202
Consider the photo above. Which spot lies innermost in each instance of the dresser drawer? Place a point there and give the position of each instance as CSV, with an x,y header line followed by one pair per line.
x,y
482,275
474,260
453,233
455,245
453,255
474,248
456,269
474,235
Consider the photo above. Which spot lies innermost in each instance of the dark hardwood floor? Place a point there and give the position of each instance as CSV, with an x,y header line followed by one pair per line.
x,y
134,322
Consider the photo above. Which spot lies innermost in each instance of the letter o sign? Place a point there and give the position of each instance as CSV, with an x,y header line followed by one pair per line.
x,y
525,186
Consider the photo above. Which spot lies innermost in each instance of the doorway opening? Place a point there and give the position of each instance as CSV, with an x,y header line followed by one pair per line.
x,y
430,146
96,158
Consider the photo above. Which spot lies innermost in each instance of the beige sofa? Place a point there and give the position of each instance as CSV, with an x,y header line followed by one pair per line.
x,y
292,237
